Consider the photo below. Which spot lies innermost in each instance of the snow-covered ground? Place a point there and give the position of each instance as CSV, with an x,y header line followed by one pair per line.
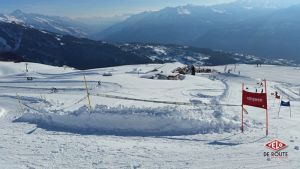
x,y
143,123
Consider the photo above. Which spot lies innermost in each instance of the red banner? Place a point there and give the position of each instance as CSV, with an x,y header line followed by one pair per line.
x,y
255,99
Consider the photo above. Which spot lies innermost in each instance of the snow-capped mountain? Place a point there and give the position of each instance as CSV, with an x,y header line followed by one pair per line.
x,y
183,11
78,27
267,3
19,43
179,25
55,49
24,43
244,26
10,19
61,25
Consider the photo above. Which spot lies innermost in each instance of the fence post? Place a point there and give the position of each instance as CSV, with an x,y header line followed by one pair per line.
x,y
88,93
20,104
267,113
242,126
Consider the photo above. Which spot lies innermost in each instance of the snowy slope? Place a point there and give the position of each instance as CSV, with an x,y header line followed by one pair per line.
x,y
10,19
60,25
142,123
196,56
28,44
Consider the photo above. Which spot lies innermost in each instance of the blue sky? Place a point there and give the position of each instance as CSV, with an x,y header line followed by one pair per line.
x,y
88,8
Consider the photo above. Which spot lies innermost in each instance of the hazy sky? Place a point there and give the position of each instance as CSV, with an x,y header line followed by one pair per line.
x,y
87,8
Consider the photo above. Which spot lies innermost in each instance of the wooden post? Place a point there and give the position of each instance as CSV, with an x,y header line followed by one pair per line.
x,y
20,104
88,93
26,67
242,127
267,116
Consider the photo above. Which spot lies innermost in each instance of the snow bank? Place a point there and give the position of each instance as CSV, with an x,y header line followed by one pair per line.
x,y
2,112
130,121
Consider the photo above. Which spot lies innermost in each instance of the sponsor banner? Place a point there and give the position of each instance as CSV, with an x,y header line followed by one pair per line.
x,y
286,104
255,99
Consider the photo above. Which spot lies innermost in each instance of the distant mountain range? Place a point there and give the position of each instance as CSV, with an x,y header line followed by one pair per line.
x,y
29,44
268,29
19,43
78,27
61,25
238,32
193,55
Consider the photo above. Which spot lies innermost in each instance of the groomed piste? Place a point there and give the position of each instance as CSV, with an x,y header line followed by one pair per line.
x,y
138,119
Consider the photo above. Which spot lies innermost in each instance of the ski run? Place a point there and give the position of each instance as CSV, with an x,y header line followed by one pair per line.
x,y
130,117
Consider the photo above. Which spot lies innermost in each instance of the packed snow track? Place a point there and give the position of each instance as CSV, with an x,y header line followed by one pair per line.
x,y
125,118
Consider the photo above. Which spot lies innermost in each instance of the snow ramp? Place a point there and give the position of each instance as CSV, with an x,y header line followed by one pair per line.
x,y
131,121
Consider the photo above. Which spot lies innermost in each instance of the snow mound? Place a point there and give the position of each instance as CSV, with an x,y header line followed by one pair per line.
x,y
2,112
130,121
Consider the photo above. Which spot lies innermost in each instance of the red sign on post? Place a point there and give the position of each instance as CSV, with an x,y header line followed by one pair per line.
x,y
255,99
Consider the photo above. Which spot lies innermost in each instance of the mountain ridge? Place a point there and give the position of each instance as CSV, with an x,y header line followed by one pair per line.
x,y
55,49
208,27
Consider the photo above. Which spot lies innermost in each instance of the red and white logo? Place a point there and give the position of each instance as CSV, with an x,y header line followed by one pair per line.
x,y
276,145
